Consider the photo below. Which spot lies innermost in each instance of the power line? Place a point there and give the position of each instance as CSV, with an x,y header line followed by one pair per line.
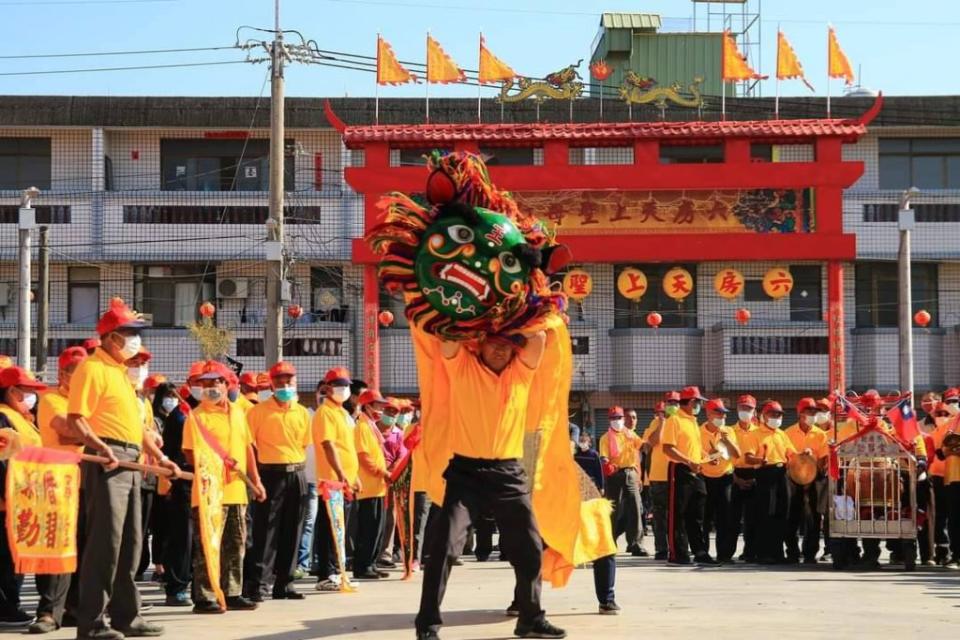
x,y
11,3
138,68
113,53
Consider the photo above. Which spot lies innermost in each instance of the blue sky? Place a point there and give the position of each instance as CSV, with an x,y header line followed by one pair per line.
x,y
898,50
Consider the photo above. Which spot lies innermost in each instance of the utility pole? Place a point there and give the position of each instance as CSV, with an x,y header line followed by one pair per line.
x,y
27,221
276,287
43,304
906,222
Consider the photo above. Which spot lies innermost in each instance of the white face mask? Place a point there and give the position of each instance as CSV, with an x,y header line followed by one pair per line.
x,y
617,425
718,422
169,404
822,418
340,394
953,408
745,416
264,395
774,423
196,392
137,376
29,400
131,346
695,409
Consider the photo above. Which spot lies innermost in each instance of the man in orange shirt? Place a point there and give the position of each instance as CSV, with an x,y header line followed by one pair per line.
x,y
772,452
373,475
489,392
743,497
932,538
807,503
659,484
718,477
620,455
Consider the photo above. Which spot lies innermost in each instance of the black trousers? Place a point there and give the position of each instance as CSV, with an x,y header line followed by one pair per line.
x,y
178,548
421,509
323,543
623,491
9,584
472,486
925,529
604,578
276,528
719,514
59,593
743,508
660,499
941,537
370,516
771,512
952,492
688,496
806,506
147,497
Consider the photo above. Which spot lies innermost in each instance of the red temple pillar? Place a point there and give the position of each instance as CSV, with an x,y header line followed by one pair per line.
x,y
371,329
837,370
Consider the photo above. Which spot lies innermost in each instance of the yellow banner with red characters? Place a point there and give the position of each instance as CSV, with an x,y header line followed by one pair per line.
x,y
710,211
208,481
42,495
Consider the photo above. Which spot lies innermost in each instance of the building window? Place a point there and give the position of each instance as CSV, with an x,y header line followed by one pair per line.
x,y
761,152
221,165
327,301
508,156
296,347
875,288
173,295
778,345
690,154
56,214
629,314
83,295
806,296
753,291
926,163
181,214
24,162
940,212
414,157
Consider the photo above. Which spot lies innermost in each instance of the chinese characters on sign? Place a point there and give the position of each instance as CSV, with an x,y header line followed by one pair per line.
x,y
712,211
728,283
577,284
632,283
678,283
778,282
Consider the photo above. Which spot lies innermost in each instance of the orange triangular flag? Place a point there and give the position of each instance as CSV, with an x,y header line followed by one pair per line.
x,y
389,71
492,68
734,64
440,67
838,65
788,66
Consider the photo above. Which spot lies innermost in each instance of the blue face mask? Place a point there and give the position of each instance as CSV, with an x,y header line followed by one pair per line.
x,y
388,421
285,394
233,394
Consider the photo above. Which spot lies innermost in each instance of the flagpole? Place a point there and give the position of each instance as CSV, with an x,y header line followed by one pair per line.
x,y
428,76
776,100
723,100
479,84
828,69
376,104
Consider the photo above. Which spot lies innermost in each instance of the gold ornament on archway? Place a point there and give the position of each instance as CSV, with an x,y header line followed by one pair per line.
x,y
728,283
577,284
778,282
632,284
678,283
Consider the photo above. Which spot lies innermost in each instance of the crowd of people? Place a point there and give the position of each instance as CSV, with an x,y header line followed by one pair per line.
x,y
697,469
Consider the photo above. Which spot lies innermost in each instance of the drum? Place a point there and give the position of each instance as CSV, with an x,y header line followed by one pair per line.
x,y
879,483
802,469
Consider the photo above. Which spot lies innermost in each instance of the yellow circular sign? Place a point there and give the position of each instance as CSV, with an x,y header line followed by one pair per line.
x,y
632,284
728,283
678,283
577,284
778,282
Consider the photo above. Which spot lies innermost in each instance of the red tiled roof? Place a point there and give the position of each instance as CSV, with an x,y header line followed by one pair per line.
x,y
604,133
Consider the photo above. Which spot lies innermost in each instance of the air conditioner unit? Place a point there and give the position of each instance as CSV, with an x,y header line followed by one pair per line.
x,y
326,298
233,288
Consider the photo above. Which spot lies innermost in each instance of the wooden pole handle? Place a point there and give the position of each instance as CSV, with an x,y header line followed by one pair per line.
x,y
136,466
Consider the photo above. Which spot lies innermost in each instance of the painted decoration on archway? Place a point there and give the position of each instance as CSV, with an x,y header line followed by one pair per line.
x,y
678,283
632,283
710,211
728,283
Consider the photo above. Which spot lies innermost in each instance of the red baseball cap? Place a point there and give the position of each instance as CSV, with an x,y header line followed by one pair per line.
x,y
870,398
824,404
196,369
772,406
282,368
18,377
249,379
747,400
691,393
671,396
90,344
951,393
212,370
120,316
337,376
263,381
660,407
370,396
805,404
154,381
615,412
71,355
396,403
717,405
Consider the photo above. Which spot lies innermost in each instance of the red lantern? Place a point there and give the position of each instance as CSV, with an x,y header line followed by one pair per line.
x,y
600,70
922,318
385,318
295,311
743,316
654,319
207,309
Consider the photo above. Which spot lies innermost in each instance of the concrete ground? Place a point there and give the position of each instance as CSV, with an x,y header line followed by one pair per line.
x,y
741,602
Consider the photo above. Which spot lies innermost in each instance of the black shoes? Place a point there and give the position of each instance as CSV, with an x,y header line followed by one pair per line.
x,y
239,603
428,635
540,628
18,618
637,551
208,607
704,560
288,594
610,609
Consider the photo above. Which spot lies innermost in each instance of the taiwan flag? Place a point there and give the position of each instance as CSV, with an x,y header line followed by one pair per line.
x,y
904,420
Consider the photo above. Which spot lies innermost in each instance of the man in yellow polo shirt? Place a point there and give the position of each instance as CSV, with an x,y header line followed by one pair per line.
x,y
743,496
620,454
336,455
280,428
54,434
103,413
774,449
688,492
807,503
227,425
373,475
718,478
489,392
659,482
